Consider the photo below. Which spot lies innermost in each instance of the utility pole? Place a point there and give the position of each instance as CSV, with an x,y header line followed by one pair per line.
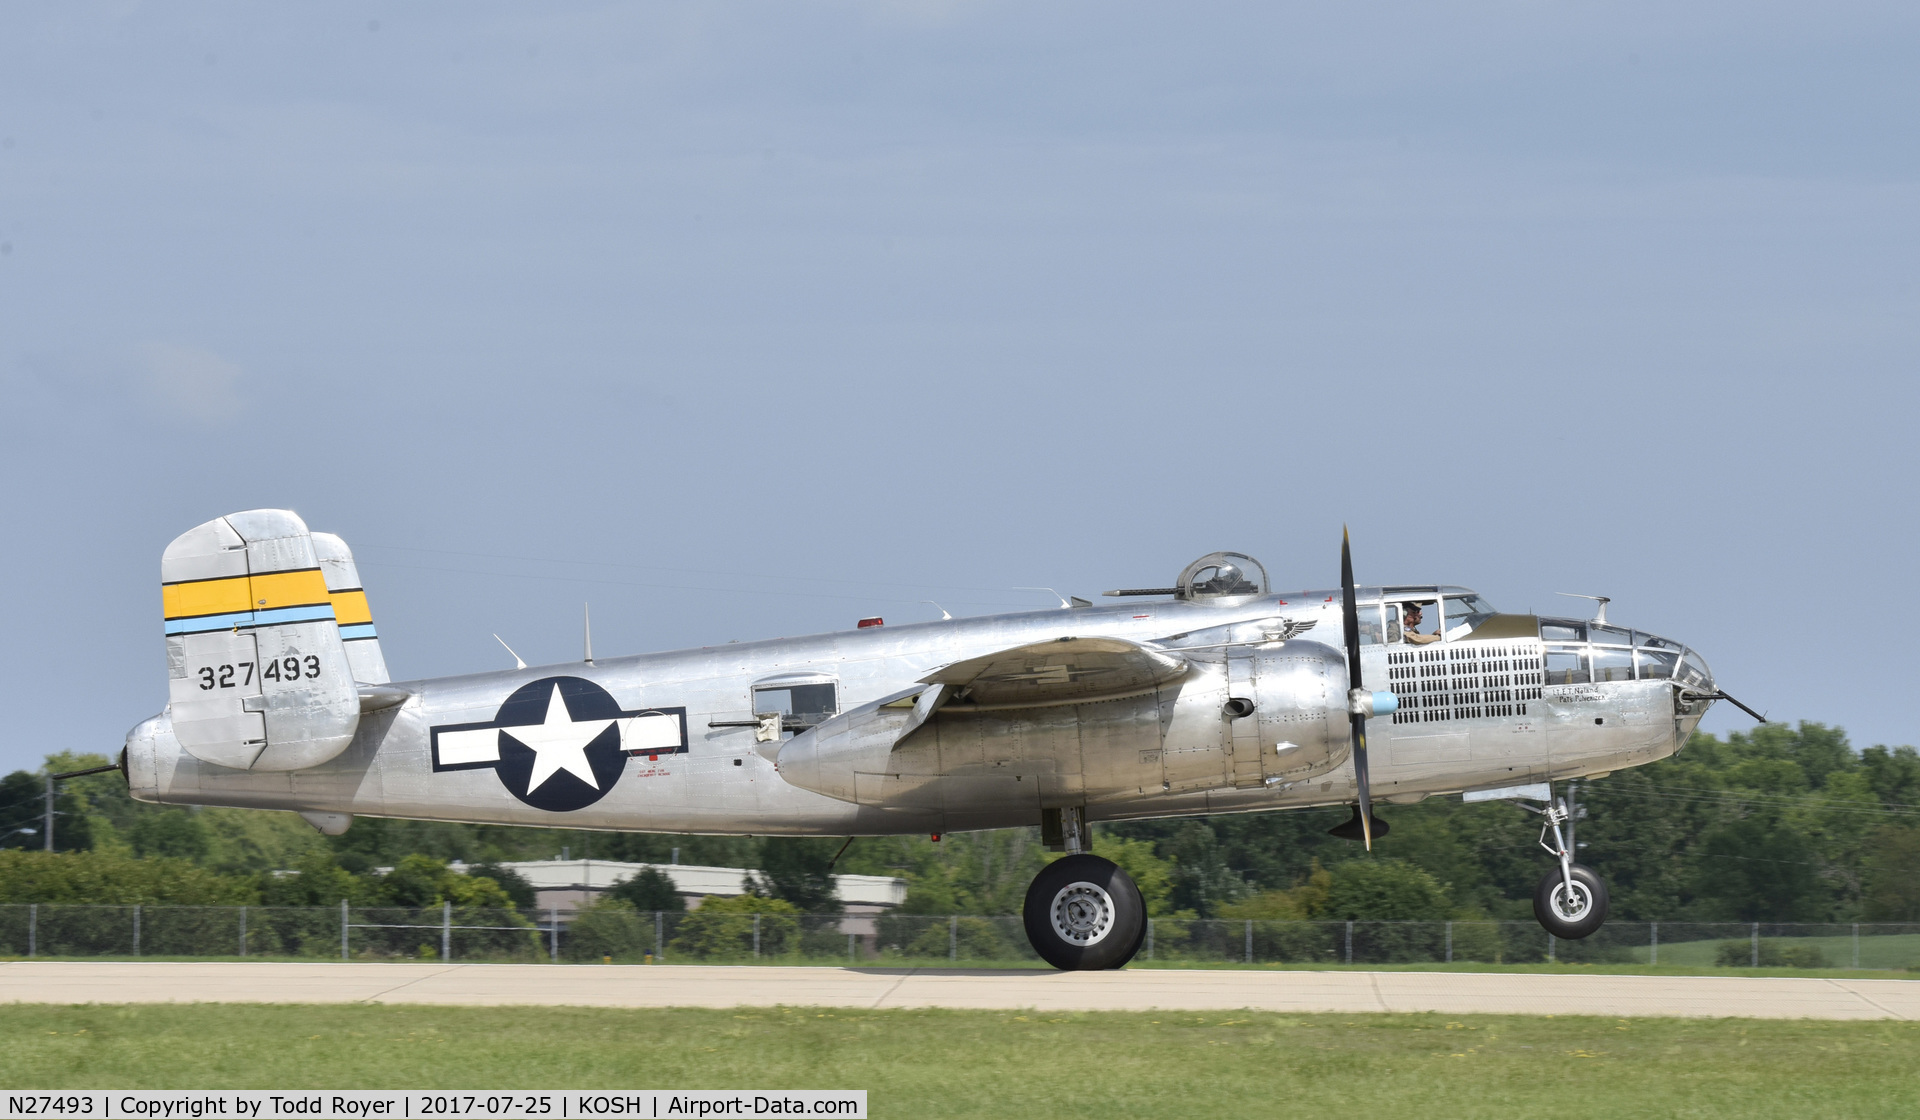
x,y
49,810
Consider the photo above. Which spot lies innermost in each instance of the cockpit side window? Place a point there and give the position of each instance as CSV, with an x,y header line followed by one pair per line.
x,y
1418,623
1368,615
1464,612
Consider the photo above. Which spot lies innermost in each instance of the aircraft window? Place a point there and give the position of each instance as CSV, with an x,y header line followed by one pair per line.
x,y
1612,664
1219,574
1393,622
803,705
1370,623
1654,642
1693,672
1562,630
1464,612
1567,666
1657,665
1421,632
1609,636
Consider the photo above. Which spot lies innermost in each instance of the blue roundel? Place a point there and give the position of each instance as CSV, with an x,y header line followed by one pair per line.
x,y
560,743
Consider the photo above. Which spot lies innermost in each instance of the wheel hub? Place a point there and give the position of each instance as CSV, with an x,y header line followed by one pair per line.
x,y
1082,913
1572,908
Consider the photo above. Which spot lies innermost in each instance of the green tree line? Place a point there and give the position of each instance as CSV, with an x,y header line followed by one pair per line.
x,y
1782,823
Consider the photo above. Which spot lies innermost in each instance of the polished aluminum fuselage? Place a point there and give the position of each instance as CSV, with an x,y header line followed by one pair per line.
x,y
1165,752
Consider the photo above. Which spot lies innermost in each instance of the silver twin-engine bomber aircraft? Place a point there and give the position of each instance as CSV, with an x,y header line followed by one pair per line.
x,y
1213,695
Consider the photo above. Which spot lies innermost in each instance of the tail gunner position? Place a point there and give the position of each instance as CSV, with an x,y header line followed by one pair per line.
x,y
1212,695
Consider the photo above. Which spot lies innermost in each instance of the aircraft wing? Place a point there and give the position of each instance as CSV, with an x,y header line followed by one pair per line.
x,y
1062,671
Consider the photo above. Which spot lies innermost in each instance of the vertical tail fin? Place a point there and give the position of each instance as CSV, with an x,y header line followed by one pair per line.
x,y
350,609
258,677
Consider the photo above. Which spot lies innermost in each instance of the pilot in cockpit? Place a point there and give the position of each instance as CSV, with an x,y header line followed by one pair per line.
x,y
1410,629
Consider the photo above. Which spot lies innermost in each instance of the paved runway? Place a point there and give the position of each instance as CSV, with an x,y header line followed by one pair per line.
x,y
1452,993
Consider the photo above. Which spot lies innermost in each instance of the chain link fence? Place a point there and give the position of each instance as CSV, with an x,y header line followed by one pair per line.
x,y
604,933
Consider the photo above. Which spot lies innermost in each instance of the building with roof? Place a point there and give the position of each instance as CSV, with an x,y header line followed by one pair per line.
x,y
564,885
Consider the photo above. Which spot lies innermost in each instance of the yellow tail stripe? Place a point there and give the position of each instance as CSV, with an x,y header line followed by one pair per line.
x,y
350,608
243,593
207,596
289,589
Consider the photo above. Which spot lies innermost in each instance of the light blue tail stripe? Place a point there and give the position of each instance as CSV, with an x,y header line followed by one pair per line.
x,y
209,622
357,631
245,619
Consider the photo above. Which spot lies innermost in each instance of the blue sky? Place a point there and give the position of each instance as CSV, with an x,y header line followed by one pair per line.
x,y
750,320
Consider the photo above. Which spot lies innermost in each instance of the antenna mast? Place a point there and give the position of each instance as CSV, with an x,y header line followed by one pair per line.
x,y
1600,604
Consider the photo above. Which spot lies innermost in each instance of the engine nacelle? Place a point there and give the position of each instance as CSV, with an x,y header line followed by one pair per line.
x,y
1298,726
1244,720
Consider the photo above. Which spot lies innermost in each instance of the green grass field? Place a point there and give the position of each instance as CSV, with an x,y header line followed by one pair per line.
x,y
981,1063
1892,951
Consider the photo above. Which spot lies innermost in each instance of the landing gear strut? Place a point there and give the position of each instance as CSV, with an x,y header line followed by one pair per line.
x,y
1571,901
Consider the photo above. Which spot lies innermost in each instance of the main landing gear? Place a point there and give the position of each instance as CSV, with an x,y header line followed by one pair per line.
x,y
1082,912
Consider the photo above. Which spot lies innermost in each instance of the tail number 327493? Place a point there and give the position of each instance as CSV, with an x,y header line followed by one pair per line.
x,y
240,673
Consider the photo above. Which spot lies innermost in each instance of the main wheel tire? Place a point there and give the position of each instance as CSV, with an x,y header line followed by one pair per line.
x,y
1574,915
1083,912
1140,938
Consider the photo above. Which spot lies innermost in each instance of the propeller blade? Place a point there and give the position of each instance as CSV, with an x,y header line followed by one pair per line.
x,y
1350,626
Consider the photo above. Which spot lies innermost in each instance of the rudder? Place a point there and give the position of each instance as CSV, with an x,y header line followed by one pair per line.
x,y
350,609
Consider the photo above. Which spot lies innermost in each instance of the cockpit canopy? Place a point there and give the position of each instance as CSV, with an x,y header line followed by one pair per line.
x,y
1580,652
1219,575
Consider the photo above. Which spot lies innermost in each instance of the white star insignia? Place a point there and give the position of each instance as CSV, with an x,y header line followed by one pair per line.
x,y
559,743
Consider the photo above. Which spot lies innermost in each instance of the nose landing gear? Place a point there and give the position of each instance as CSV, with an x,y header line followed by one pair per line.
x,y
1571,901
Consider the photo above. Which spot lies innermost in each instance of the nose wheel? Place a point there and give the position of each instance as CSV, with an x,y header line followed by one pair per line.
x,y
1083,912
1571,904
